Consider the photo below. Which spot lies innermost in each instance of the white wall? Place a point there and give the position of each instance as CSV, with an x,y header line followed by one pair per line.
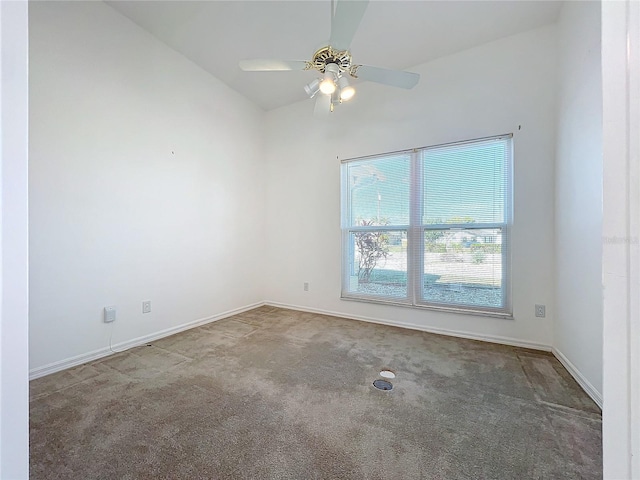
x,y
578,242
146,184
14,297
621,235
491,89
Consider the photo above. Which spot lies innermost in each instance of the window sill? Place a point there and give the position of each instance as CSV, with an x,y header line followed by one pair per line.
x,y
399,303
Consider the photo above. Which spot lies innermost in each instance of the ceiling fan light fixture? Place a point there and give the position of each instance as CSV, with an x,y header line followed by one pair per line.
x,y
312,88
346,91
328,84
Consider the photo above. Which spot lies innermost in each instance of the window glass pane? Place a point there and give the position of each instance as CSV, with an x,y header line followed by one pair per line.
x,y
465,183
463,267
379,191
378,263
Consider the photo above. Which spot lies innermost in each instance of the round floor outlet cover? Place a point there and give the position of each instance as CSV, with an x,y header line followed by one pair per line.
x,y
387,374
382,385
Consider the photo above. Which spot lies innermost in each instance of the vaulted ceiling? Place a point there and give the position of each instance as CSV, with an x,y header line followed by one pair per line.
x,y
393,34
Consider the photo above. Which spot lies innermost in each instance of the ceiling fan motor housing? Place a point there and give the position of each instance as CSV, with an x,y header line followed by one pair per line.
x,y
327,55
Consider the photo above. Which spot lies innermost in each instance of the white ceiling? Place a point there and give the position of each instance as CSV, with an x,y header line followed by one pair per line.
x,y
393,34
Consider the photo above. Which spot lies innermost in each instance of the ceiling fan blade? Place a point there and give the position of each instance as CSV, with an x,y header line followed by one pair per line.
x,y
395,78
345,22
323,105
262,65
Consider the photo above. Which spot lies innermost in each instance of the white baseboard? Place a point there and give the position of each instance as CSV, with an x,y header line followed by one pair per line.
x,y
514,342
106,351
586,385
122,346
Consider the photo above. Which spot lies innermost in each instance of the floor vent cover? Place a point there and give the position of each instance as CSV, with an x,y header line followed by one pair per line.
x,y
382,385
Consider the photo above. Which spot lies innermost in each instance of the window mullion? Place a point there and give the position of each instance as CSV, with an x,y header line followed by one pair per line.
x,y
415,252
345,220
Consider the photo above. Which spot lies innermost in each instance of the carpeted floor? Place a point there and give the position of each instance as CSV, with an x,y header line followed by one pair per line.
x,y
280,394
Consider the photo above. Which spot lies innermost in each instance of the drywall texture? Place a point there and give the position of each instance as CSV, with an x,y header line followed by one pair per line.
x,y
578,220
14,296
146,184
501,87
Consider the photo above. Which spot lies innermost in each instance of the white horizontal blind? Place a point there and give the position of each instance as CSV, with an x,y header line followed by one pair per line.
x,y
465,183
430,227
465,209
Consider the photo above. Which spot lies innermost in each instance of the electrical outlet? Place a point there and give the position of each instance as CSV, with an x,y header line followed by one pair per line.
x,y
540,311
146,306
306,286
109,314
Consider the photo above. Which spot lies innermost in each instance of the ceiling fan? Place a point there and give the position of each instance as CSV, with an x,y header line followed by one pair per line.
x,y
334,62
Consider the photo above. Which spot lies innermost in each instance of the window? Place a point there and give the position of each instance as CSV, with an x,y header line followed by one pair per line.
x,y
430,227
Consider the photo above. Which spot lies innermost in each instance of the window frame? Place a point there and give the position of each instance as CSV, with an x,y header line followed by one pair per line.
x,y
416,232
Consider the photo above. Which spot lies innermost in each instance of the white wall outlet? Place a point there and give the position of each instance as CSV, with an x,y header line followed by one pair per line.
x,y
541,311
146,306
306,286
109,314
